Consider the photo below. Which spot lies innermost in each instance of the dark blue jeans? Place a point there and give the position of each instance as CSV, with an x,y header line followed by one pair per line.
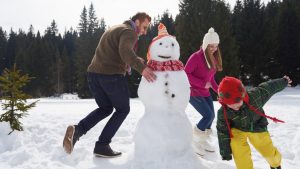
x,y
110,91
204,105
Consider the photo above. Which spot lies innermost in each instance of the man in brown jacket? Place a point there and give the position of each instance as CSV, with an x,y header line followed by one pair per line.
x,y
106,78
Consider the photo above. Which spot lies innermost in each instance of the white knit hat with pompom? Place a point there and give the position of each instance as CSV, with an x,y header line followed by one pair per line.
x,y
210,37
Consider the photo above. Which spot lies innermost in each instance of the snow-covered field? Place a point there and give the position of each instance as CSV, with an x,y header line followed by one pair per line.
x,y
40,145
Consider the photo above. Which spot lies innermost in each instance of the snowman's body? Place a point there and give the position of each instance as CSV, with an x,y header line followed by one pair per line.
x,y
164,116
163,136
171,89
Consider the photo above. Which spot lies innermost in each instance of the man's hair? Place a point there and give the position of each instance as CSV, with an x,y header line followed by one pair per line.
x,y
141,16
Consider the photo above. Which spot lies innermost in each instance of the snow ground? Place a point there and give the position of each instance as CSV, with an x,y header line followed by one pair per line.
x,y
40,145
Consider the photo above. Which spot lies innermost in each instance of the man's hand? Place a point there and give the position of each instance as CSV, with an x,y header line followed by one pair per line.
x,y
141,60
288,80
149,75
227,158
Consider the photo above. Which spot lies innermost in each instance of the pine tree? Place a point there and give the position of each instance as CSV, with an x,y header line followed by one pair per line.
x,y
30,32
48,64
34,66
52,29
270,40
68,56
41,65
65,73
189,26
102,24
93,22
23,58
11,48
236,20
57,73
15,100
3,42
289,38
83,23
52,44
21,49
249,32
83,57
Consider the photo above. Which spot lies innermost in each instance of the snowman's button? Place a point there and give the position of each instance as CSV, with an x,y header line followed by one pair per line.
x,y
173,95
167,92
166,83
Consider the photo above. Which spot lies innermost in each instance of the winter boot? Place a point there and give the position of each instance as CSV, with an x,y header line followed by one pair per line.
x,y
279,167
198,148
104,150
208,133
201,139
71,137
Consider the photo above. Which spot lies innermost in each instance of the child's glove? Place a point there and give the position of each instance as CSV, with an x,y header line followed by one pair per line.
x,y
227,158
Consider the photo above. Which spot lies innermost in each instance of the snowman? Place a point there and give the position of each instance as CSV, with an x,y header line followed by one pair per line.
x,y
164,133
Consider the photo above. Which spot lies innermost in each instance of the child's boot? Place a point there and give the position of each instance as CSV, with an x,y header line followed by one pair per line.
x,y
279,167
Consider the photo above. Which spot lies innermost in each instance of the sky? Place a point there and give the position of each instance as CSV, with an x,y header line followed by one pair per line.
x,y
40,13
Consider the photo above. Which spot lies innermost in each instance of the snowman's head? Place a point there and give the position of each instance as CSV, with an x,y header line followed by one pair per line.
x,y
164,47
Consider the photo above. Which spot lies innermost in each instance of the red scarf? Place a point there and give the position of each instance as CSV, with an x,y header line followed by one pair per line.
x,y
170,65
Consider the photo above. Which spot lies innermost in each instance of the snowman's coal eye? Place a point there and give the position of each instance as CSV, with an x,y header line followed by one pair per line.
x,y
172,44
160,43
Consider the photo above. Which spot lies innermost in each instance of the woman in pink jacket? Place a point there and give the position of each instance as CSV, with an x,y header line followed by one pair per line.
x,y
201,68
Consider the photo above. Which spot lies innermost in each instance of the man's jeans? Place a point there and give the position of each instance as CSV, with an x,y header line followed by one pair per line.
x,y
110,91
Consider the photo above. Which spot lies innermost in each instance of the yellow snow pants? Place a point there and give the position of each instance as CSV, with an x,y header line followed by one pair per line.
x,y
261,142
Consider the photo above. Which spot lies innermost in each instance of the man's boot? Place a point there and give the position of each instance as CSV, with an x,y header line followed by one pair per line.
x,y
104,150
279,167
71,137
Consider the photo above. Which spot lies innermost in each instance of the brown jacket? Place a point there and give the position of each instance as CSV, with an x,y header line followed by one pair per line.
x,y
115,51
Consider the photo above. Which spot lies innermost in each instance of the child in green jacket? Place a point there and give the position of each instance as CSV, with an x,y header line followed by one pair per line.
x,y
242,118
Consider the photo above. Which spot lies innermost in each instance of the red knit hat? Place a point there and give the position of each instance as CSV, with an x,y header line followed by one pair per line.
x,y
231,90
